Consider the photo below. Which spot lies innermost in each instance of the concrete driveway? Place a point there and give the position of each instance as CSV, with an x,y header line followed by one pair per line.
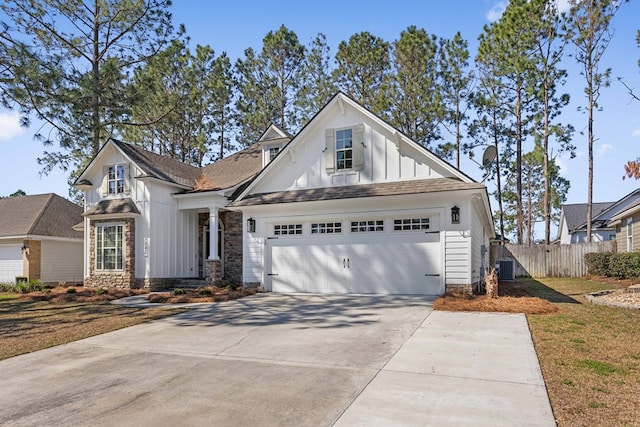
x,y
288,360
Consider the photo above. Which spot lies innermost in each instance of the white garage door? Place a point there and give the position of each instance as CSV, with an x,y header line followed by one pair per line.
x,y
10,262
380,264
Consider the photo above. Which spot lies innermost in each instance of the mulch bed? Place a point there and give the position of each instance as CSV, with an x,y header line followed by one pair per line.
x,y
81,294
204,294
512,298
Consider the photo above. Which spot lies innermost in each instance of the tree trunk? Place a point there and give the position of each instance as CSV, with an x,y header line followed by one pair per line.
x,y
547,178
519,136
95,80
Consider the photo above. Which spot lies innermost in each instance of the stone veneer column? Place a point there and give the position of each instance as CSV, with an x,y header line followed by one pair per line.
x,y
232,245
213,271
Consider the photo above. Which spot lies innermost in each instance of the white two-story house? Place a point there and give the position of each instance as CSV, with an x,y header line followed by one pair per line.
x,y
348,205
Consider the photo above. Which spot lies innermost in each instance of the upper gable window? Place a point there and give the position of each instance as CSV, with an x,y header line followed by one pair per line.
x,y
115,179
344,149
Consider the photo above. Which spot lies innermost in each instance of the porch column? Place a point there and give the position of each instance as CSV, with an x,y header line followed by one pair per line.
x,y
213,234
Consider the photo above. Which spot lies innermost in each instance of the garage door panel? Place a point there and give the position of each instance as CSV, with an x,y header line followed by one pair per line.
x,y
10,262
408,263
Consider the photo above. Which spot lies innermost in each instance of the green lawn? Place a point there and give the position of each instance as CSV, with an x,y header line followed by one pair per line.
x,y
589,355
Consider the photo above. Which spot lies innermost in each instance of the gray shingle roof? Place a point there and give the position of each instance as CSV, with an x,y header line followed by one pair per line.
x,y
160,167
363,190
40,215
113,206
225,173
235,169
576,214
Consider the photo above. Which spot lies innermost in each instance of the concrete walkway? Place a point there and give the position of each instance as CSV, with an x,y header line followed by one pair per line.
x,y
288,360
458,369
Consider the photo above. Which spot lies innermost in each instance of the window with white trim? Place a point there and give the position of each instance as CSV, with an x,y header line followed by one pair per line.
x,y
115,179
326,228
630,235
287,229
406,224
344,149
367,226
110,247
273,152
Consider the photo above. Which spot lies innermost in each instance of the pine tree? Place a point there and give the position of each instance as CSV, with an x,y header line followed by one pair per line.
x,y
317,85
68,67
509,49
590,30
268,85
456,88
416,106
363,65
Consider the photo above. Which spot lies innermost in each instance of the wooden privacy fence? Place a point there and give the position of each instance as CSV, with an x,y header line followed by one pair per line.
x,y
549,260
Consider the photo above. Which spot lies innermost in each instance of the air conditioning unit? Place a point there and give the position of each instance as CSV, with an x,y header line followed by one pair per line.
x,y
506,272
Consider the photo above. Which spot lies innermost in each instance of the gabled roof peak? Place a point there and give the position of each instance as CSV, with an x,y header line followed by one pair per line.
x,y
274,132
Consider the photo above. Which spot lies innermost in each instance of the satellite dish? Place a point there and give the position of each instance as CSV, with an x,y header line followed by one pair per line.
x,y
489,156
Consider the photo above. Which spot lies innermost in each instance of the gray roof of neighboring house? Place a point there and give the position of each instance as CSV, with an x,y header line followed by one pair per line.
x,y
39,215
576,214
362,190
113,206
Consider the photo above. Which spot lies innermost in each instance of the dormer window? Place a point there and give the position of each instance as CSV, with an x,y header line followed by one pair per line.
x,y
273,152
115,179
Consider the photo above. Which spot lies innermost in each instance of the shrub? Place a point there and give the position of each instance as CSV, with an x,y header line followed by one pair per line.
x,y
7,287
36,286
71,291
179,291
102,291
625,265
598,263
205,291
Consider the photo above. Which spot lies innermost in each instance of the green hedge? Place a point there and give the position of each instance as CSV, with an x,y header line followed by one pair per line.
x,y
598,263
625,265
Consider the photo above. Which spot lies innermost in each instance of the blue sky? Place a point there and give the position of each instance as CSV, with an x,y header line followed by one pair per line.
x,y
233,26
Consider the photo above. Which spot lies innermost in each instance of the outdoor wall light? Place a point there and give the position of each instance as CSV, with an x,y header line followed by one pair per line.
x,y
455,215
251,225
24,249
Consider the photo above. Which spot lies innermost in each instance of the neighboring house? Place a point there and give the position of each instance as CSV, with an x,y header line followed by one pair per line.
x,y
348,205
37,239
573,220
627,225
573,223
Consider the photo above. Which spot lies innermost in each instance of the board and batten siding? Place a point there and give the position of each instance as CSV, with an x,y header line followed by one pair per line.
x,y
172,234
456,252
385,158
61,261
253,253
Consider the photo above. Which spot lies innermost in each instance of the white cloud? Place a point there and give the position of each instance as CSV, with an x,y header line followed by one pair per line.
x,y
496,11
10,126
562,164
636,133
603,149
563,5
